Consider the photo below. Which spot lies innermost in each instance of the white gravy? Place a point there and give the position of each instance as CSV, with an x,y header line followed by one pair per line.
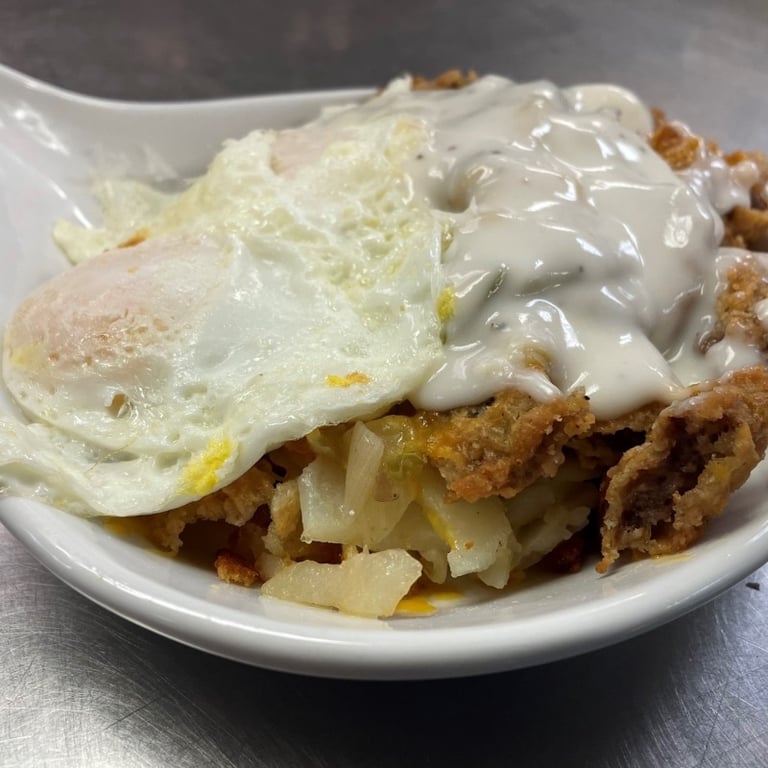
x,y
572,242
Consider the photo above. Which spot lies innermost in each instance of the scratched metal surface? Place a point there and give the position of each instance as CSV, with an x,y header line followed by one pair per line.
x,y
81,687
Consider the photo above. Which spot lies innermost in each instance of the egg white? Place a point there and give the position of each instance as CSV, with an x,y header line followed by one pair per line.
x,y
270,298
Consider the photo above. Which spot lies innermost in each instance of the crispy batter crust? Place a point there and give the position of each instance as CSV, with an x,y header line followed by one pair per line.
x,y
674,142
699,450
608,440
503,445
233,568
235,504
747,284
747,228
451,79
261,506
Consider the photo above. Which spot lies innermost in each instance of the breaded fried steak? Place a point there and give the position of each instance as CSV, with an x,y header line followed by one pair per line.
x,y
538,335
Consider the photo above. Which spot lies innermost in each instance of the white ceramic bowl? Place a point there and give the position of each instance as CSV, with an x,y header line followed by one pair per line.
x,y
51,143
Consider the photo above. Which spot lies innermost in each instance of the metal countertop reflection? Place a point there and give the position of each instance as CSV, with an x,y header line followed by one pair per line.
x,y
82,687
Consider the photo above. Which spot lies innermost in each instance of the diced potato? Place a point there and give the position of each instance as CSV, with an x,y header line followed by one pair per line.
x,y
548,512
476,533
497,574
414,533
366,584
558,523
321,494
326,517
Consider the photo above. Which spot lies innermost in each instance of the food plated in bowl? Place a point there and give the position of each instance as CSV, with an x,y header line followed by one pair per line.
x,y
391,454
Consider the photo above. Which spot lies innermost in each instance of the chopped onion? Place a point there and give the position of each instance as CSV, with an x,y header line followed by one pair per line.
x,y
321,494
414,533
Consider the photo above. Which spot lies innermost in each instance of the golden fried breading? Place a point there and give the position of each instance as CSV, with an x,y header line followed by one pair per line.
x,y
235,504
608,439
699,450
747,284
503,445
746,228
453,78
233,568
285,510
674,142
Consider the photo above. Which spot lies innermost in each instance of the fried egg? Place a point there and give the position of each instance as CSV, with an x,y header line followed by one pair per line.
x,y
288,288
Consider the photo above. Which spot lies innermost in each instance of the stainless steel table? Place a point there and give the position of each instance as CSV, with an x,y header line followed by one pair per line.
x,y
81,687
